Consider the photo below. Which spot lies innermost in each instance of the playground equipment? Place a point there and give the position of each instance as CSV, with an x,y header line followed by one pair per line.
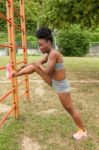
x,y
12,55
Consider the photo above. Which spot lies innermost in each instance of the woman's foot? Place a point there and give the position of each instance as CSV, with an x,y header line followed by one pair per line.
x,y
10,72
80,134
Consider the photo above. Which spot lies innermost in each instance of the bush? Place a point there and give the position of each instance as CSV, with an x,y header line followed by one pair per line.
x,y
73,42
94,37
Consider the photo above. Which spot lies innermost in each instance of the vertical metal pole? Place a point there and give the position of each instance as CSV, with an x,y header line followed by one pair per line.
x,y
12,53
24,45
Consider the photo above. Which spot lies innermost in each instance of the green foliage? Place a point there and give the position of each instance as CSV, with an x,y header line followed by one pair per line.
x,y
94,37
62,13
32,10
32,41
56,14
73,42
3,37
3,24
97,29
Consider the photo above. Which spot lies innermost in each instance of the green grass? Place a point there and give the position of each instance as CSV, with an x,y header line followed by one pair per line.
x,y
54,131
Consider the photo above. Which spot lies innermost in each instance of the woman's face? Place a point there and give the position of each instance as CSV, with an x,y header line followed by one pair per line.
x,y
44,45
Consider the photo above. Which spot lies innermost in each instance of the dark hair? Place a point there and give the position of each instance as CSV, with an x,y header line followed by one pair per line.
x,y
44,33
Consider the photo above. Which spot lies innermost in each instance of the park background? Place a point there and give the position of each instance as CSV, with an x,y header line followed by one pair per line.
x,y
43,123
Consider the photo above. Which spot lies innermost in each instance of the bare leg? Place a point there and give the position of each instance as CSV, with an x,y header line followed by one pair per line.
x,y
67,104
27,70
33,68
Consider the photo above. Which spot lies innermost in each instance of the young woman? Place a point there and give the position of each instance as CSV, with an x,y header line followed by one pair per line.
x,y
54,74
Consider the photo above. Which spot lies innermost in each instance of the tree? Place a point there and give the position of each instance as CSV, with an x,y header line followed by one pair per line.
x,y
33,10
3,24
73,41
62,13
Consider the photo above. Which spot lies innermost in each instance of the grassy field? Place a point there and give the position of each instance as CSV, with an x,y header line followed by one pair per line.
x,y
43,123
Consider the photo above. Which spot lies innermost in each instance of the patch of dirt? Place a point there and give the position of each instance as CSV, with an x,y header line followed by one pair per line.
x,y
29,144
47,112
4,108
40,90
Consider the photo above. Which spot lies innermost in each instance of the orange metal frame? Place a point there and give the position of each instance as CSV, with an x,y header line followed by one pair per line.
x,y
12,55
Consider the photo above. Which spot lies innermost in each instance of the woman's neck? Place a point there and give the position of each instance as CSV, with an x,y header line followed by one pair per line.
x,y
50,49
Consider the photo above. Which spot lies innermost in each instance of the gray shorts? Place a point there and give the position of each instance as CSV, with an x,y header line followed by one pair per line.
x,y
61,86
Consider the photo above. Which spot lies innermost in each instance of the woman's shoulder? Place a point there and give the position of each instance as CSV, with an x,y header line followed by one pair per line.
x,y
55,52
60,56
53,55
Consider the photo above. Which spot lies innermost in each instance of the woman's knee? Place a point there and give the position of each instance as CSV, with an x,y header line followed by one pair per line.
x,y
32,66
29,68
69,109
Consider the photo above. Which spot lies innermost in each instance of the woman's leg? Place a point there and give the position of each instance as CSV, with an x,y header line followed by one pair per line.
x,y
65,99
33,68
26,70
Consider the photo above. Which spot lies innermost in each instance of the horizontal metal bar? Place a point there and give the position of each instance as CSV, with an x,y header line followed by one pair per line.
x,y
20,62
5,18
5,46
6,115
7,94
2,68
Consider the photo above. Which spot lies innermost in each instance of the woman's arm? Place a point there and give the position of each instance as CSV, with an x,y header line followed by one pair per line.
x,y
51,64
42,61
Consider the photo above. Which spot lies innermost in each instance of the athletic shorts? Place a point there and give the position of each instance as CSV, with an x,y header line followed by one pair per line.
x,y
61,86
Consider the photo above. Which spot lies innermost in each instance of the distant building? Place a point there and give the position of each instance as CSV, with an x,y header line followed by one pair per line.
x,y
94,48
3,51
30,51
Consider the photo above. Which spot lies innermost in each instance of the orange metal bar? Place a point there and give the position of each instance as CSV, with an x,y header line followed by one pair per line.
x,y
2,68
7,94
20,62
12,53
6,115
9,1
5,46
5,18
21,16
23,34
